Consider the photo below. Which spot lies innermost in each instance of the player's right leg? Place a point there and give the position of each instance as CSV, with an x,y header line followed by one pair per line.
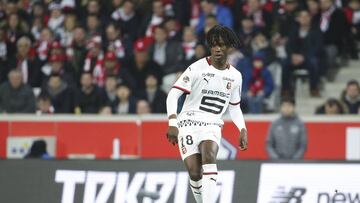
x,y
193,166
209,150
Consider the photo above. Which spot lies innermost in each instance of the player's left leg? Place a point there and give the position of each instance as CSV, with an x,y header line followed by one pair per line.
x,y
208,151
193,166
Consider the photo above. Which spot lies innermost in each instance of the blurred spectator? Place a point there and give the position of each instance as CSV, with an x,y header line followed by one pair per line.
x,y
287,137
58,65
142,107
165,52
152,19
333,25
260,85
95,8
15,96
28,66
304,49
313,8
154,95
114,42
189,41
246,34
56,48
352,12
210,21
110,66
261,45
56,19
3,49
351,97
173,28
44,105
211,7
234,57
127,19
94,56
15,28
125,103
38,151
262,19
38,11
110,89
43,44
139,67
200,52
89,98
286,21
331,107
62,97
66,33
168,54
93,26
77,51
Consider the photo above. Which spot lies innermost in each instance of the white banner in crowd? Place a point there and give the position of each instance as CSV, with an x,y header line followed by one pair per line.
x,y
309,183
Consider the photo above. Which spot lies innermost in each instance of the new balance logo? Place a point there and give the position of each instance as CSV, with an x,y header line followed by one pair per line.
x,y
294,195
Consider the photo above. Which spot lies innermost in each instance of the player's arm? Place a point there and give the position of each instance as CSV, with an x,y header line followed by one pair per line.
x,y
183,84
238,119
171,106
237,115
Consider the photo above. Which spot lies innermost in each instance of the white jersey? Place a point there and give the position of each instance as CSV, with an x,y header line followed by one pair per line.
x,y
209,90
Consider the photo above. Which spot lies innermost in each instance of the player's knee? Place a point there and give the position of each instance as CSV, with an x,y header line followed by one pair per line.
x,y
209,157
195,175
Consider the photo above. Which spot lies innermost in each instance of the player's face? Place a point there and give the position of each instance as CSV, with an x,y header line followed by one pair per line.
x,y
287,109
219,52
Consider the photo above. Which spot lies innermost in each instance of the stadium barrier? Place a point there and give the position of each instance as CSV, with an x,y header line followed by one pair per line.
x,y
329,137
147,181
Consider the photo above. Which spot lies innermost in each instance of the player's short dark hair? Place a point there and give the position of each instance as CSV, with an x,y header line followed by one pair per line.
x,y
290,100
222,32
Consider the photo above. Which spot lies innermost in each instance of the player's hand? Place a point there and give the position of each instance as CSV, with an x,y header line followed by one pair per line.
x,y
172,135
243,140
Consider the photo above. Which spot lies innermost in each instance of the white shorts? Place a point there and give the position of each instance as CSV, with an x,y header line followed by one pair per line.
x,y
190,138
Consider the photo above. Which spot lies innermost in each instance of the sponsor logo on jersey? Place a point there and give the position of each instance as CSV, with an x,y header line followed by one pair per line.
x,y
215,93
186,79
210,75
228,79
228,86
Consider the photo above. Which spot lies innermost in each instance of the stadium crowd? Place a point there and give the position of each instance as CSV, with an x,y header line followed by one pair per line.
x,y
122,56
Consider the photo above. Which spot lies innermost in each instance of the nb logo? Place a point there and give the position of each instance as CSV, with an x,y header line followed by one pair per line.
x,y
294,195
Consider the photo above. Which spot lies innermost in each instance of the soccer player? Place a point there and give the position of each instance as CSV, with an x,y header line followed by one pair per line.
x,y
211,84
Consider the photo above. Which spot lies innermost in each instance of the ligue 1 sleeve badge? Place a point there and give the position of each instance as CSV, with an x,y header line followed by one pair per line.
x,y
186,79
228,86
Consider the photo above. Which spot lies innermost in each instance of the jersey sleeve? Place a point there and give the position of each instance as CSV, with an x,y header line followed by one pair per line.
x,y
236,92
185,81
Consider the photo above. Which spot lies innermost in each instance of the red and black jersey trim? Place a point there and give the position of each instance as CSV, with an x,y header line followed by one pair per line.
x,y
182,89
210,173
234,103
196,187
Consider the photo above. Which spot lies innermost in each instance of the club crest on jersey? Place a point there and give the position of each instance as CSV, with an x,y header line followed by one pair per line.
x,y
186,79
228,86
